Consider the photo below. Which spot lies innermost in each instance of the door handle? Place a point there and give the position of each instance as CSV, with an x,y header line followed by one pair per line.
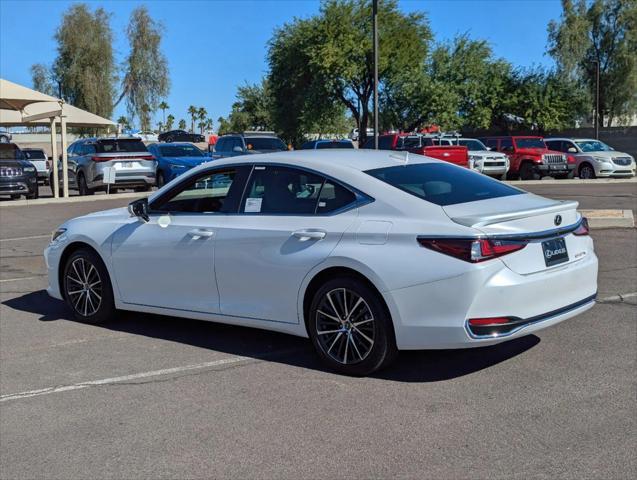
x,y
200,233
305,235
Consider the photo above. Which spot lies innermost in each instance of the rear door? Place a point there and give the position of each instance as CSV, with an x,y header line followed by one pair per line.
x,y
289,221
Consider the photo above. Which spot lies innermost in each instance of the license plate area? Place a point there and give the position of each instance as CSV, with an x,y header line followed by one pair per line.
x,y
124,165
554,251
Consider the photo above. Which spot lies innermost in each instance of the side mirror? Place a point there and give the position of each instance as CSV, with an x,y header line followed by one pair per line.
x,y
572,150
489,148
237,149
139,209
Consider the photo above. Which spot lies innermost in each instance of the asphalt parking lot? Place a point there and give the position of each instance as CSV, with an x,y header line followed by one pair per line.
x,y
159,397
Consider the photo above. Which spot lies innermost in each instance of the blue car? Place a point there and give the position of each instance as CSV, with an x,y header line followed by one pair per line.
x,y
320,144
173,159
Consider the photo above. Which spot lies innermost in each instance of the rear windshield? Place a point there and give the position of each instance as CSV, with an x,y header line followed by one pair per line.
x,y
443,183
180,151
530,143
334,145
34,154
121,145
9,151
256,143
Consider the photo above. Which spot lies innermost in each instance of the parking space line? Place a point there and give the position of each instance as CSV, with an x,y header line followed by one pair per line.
x,y
617,298
22,278
24,238
124,378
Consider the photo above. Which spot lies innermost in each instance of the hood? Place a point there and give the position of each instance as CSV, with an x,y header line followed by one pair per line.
x,y
187,161
487,153
603,154
535,151
113,212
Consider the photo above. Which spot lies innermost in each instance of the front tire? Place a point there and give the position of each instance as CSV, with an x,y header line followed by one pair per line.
x,y
82,186
527,172
161,181
587,172
35,194
350,327
87,287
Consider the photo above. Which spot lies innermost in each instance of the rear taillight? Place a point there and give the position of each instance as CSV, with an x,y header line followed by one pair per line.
x,y
146,157
582,229
471,249
102,159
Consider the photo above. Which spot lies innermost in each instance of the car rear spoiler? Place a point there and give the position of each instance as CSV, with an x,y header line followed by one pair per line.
x,y
484,219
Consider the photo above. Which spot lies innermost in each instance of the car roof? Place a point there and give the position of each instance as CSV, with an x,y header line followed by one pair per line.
x,y
331,161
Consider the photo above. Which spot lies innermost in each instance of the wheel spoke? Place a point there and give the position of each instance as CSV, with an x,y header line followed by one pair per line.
x,y
76,271
329,316
334,342
74,292
346,347
351,339
362,322
358,302
329,299
325,332
364,336
345,309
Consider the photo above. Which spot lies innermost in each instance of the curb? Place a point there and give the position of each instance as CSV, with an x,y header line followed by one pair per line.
x,y
598,219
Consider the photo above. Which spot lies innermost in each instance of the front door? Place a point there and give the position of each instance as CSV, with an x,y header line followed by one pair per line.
x,y
288,223
169,261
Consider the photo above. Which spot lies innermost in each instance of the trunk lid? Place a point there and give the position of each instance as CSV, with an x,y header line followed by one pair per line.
x,y
528,218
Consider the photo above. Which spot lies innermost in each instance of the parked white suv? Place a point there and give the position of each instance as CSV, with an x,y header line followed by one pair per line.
x,y
594,158
481,159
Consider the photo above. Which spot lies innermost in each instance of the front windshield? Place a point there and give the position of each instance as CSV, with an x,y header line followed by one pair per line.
x,y
472,145
180,151
530,143
593,146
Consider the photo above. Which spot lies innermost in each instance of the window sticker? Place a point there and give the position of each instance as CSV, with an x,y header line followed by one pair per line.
x,y
253,205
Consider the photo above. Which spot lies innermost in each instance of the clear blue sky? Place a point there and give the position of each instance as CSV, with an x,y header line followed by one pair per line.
x,y
214,46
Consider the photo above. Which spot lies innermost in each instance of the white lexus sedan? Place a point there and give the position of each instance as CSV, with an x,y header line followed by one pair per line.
x,y
364,252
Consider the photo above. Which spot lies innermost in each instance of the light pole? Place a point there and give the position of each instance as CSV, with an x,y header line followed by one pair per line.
x,y
375,35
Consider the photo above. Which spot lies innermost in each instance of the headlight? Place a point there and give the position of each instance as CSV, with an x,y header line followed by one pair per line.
x,y
56,233
28,169
474,157
600,159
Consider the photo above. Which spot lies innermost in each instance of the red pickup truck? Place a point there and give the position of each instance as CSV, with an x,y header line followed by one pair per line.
x,y
530,158
421,145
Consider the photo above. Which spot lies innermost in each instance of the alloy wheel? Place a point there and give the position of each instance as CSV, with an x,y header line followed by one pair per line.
x,y
84,287
586,172
345,326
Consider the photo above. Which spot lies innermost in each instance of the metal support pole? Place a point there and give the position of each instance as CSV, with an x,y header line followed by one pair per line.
x,y
54,160
65,162
375,34
597,115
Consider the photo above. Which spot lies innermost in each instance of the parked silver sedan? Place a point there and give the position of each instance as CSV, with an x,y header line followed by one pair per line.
x,y
134,165
594,158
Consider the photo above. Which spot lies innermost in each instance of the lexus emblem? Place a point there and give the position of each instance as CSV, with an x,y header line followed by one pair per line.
x,y
558,219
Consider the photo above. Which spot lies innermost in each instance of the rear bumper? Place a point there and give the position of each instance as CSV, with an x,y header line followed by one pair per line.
x,y
129,179
435,315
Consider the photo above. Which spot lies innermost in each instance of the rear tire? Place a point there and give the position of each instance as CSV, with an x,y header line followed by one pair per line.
x,y
52,184
87,287
82,186
15,197
350,327
143,189
161,181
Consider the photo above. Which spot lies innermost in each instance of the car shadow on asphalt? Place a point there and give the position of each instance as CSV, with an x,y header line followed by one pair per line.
x,y
411,366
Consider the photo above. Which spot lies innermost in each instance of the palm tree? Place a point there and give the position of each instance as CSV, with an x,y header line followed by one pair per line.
x,y
170,120
182,124
209,124
193,112
163,106
202,114
123,121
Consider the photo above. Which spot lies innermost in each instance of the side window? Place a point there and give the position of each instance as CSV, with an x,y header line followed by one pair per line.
x,y
281,190
506,145
88,149
219,146
210,192
72,150
334,197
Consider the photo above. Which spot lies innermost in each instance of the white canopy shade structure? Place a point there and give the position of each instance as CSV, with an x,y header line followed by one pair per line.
x,y
16,97
39,114
23,106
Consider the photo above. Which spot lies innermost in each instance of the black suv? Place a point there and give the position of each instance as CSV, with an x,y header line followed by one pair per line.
x,y
235,144
17,175
180,136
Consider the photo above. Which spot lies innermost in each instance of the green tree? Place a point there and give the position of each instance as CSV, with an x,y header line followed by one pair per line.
x,y
182,124
250,110
170,121
84,66
193,112
321,63
604,33
146,69
163,106
209,124
201,116
41,78
160,126
124,122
